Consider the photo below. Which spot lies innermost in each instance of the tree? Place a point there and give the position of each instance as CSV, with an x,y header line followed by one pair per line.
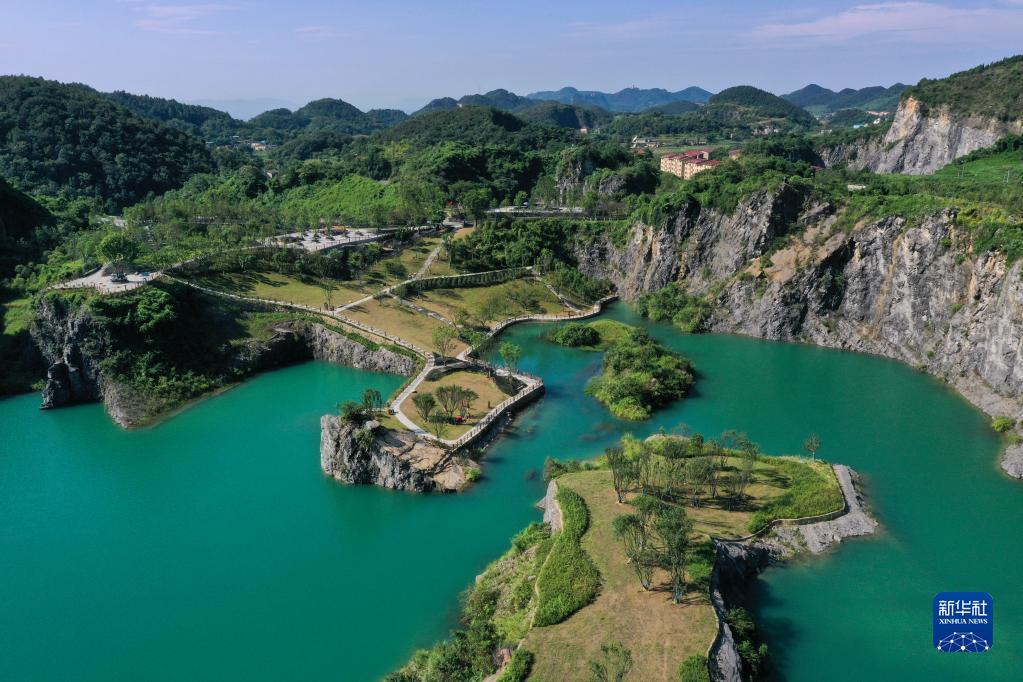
x,y
647,509
698,471
440,426
448,397
614,664
623,471
371,399
465,398
425,405
812,445
352,412
633,535
511,354
673,530
119,249
443,339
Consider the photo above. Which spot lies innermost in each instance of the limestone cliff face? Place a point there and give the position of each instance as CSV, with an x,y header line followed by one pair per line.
x,y
914,293
74,344
921,141
370,455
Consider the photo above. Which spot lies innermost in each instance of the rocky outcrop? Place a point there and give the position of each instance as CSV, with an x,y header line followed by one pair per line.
x,y
921,141
915,293
698,246
371,455
551,509
74,343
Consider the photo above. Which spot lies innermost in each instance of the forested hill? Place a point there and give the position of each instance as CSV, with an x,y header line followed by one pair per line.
x,y
992,90
629,100
334,115
206,123
546,112
68,139
764,103
816,98
480,126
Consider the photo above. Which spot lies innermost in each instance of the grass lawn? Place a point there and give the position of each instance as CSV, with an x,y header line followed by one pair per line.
x,y
491,304
404,323
489,396
277,287
659,634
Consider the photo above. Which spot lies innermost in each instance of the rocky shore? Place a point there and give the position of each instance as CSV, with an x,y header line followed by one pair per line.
x,y
368,454
740,561
912,292
74,343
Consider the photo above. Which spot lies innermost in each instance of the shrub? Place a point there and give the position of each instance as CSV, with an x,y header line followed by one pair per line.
x,y
575,334
519,667
1003,424
694,669
688,313
530,535
569,580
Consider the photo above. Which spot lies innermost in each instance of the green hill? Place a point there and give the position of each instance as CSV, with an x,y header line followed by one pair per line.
x,y
327,114
762,103
57,138
479,126
629,100
822,100
992,90
206,123
564,115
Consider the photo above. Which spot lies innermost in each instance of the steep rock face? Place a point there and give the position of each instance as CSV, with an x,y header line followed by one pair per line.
x,y
698,246
912,293
74,344
369,455
921,141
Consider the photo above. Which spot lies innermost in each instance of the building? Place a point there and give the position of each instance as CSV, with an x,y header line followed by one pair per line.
x,y
688,163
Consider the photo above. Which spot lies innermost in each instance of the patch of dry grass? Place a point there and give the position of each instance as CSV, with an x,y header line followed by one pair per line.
x,y
489,396
491,304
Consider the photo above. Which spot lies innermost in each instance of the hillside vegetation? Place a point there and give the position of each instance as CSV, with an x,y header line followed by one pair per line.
x,y
70,140
994,90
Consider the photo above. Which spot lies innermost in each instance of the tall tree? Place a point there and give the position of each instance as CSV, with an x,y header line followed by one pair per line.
x,y
444,339
511,354
812,445
623,471
633,535
371,399
448,397
425,405
673,530
119,249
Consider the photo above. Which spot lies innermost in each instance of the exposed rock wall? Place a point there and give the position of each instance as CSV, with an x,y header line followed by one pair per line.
x,y
921,141
370,455
913,293
74,343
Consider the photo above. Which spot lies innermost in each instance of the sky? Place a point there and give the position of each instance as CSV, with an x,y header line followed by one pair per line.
x,y
248,55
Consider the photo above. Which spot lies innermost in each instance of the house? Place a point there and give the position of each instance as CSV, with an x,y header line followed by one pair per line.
x,y
684,164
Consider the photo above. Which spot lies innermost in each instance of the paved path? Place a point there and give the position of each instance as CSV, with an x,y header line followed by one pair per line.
x,y
105,284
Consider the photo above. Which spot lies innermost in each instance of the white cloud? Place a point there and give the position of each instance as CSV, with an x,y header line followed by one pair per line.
x,y
917,21
314,33
178,19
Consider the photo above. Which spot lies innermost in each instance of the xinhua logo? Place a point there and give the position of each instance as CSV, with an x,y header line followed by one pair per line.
x,y
964,622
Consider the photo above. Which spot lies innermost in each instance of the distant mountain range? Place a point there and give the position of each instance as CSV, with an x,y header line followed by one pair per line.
x,y
819,100
629,100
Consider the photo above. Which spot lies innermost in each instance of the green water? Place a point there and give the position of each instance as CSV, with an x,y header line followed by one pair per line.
x,y
211,547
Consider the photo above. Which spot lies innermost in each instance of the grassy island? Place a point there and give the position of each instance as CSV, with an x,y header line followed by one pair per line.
x,y
639,374
629,575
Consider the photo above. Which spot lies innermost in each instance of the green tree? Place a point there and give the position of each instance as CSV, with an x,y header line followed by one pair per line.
x,y
448,398
371,399
425,405
623,471
465,398
444,339
613,665
673,530
633,536
511,354
812,445
694,669
119,249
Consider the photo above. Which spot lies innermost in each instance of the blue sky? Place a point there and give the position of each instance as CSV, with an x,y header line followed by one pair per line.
x,y
396,53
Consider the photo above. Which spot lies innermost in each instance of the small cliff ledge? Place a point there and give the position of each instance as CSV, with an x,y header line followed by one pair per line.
x,y
369,454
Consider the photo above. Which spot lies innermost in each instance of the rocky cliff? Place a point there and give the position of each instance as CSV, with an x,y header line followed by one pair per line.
x,y
922,140
371,455
915,293
74,343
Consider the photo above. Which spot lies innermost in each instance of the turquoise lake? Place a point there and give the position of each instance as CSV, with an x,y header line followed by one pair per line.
x,y
211,547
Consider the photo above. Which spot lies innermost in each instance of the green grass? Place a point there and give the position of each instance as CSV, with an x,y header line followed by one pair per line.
x,y
811,490
23,369
569,580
